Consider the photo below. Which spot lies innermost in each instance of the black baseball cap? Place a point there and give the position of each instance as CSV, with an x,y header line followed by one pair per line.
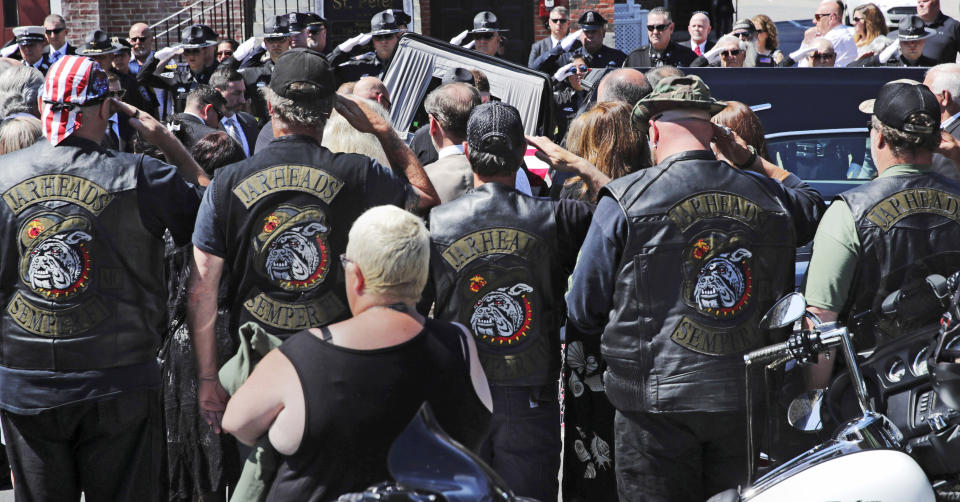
x,y
745,25
900,100
303,65
496,128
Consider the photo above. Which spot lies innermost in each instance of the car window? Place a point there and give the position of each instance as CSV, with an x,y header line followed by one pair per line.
x,y
839,158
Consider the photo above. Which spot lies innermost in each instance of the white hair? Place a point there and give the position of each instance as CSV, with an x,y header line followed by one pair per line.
x,y
19,87
341,137
391,247
945,77
19,132
749,48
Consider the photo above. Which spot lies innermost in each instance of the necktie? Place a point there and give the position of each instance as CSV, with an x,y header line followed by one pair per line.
x,y
233,129
697,51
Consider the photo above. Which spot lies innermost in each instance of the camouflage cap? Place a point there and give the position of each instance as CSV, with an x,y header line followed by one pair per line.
x,y
676,93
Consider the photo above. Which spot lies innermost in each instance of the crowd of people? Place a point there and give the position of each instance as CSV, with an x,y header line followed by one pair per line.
x,y
231,274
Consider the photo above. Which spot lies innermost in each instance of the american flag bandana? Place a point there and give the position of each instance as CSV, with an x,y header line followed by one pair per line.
x,y
71,82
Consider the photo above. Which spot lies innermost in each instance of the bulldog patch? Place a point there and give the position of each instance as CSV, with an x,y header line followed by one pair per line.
x,y
504,306
54,254
292,247
718,275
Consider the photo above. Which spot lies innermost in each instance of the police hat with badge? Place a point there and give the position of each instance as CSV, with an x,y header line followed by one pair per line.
x,y
300,21
385,23
26,35
279,27
198,36
98,43
486,22
591,20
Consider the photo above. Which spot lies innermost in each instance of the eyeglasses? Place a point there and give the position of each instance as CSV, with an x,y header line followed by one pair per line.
x,y
191,52
274,40
826,56
731,53
870,124
818,16
117,94
658,27
560,21
55,31
484,36
225,53
344,260
857,19
744,35
137,39
313,30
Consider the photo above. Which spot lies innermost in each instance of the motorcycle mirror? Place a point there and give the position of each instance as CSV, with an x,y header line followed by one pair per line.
x,y
804,411
785,312
424,457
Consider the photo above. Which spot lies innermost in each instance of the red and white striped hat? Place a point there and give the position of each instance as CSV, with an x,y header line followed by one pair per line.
x,y
71,82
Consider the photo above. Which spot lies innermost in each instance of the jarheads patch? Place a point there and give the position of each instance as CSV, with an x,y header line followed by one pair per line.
x,y
54,255
292,247
503,305
718,276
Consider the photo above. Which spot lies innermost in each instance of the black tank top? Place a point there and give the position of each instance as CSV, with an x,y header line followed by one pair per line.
x,y
358,402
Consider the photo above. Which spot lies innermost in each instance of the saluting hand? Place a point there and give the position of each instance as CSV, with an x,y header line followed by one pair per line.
x,y
359,115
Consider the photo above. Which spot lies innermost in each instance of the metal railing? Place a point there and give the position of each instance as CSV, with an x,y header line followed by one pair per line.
x,y
217,14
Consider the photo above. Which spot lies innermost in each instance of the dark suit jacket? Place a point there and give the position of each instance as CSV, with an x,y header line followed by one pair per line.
x,y
539,48
192,129
675,55
248,123
944,165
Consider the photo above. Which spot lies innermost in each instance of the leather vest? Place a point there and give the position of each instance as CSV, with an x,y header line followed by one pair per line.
x,y
83,280
909,227
287,211
494,265
709,249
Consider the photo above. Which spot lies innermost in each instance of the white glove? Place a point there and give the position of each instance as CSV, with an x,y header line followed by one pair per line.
x,y
352,43
9,50
168,52
470,45
801,54
569,40
244,49
887,53
563,72
457,40
713,55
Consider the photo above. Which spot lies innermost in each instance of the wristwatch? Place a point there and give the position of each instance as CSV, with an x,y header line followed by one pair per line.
x,y
753,158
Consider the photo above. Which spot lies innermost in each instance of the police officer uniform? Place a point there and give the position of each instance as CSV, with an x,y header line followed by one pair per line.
x,y
280,218
501,259
910,28
606,57
25,35
351,68
177,80
892,229
84,303
257,68
681,261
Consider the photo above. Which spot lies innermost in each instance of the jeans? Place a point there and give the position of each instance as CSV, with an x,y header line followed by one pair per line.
x,y
524,441
109,449
679,456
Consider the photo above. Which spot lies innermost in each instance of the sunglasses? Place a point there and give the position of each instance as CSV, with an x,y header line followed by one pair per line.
x,y
560,21
744,35
225,53
484,36
191,52
55,31
826,56
857,19
344,260
731,53
316,29
658,27
117,94
276,40
137,39
818,16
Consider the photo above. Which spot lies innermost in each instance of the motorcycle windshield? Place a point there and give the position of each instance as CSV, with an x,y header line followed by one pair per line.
x,y
424,457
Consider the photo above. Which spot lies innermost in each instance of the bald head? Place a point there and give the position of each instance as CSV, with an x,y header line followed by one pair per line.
x,y
449,106
824,55
625,85
372,88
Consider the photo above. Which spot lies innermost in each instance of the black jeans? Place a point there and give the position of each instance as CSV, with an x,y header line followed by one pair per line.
x,y
108,449
679,456
524,441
